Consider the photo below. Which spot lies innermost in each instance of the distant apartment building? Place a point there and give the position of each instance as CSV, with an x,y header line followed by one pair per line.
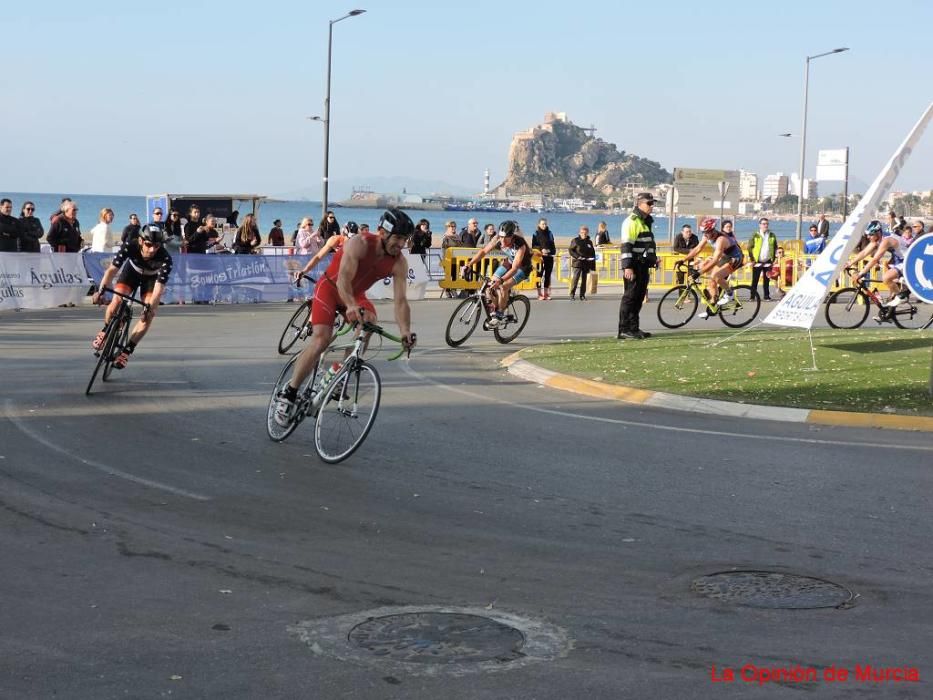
x,y
809,186
775,186
810,189
748,185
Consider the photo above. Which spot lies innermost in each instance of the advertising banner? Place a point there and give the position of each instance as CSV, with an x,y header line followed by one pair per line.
x,y
41,280
241,279
799,307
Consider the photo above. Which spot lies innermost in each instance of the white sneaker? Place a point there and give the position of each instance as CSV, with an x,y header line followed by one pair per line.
x,y
704,315
284,410
896,300
724,299
495,320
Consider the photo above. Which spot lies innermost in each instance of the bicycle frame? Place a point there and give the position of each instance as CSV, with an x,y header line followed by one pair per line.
x,y
693,284
314,395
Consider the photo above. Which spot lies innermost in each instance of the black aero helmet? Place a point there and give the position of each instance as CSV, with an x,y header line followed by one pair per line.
x,y
873,227
151,233
352,228
395,222
507,228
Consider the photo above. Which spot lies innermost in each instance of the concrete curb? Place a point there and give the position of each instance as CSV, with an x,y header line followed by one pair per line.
x,y
659,399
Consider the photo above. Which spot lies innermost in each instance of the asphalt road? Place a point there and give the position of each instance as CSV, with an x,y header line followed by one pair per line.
x,y
155,543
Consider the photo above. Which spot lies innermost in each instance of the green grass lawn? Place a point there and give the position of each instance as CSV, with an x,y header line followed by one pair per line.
x,y
871,371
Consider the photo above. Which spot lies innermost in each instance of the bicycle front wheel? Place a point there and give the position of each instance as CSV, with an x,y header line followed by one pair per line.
x,y
677,306
123,335
105,354
743,308
347,412
463,321
912,314
296,329
847,308
516,314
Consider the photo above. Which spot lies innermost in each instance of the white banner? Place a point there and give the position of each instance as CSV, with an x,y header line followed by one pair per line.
x,y
417,281
41,280
800,305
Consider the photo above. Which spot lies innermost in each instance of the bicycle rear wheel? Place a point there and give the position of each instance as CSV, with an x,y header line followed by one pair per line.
x,y
275,431
123,335
677,306
296,329
912,314
463,321
348,412
519,309
743,308
847,308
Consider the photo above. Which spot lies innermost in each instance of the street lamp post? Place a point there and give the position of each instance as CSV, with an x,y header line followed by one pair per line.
x,y
326,119
803,137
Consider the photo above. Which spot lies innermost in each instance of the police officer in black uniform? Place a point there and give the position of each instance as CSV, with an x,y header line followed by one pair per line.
x,y
639,258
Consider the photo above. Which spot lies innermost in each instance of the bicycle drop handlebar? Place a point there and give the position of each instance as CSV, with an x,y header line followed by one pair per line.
x,y
129,298
368,327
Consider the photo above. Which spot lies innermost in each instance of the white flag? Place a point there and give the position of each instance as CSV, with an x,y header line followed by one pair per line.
x,y
800,305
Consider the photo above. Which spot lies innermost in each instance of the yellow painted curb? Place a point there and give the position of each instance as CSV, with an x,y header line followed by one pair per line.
x,y
871,420
597,389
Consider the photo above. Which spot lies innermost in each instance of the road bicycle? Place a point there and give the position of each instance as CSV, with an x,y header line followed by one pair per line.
x,y
299,325
848,308
343,402
468,313
679,304
116,335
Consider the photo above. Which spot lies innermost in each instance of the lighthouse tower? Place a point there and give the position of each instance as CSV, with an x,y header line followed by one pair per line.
x,y
486,182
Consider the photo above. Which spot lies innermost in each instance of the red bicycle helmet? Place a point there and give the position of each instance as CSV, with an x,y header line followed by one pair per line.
x,y
707,224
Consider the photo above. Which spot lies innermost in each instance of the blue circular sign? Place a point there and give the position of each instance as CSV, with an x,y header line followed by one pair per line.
x,y
918,268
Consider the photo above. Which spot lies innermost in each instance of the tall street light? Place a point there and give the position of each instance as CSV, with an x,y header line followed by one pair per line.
x,y
326,118
803,131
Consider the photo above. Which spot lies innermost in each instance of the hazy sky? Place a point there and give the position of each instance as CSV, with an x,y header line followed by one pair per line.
x,y
131,98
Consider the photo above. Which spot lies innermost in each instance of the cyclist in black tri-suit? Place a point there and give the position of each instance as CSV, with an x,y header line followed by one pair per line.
x,y
145,265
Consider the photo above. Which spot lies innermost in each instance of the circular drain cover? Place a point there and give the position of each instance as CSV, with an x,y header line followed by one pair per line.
x,y
434,640
770,589
438,638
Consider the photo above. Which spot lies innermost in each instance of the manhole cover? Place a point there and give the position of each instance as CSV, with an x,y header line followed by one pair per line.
x,y
770,589
438,638
434,640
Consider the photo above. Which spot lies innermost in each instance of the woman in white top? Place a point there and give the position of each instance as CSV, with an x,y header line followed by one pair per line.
x,y
309,240
102,240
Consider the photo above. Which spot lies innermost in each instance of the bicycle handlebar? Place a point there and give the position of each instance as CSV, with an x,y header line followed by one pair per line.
x,y
301,276
131,299
368,327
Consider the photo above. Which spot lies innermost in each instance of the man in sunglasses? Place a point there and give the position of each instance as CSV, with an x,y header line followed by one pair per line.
x,y
142,264
361,262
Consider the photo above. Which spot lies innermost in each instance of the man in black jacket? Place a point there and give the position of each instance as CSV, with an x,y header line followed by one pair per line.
x,y
583,256
195,242
65,232
9,228
30,229
131,230
684,242
542,240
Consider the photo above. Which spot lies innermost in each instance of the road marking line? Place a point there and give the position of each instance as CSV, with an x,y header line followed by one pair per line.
x,y
671,428
41,439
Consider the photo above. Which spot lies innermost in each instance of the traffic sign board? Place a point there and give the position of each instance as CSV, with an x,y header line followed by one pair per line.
x,y
697,191
918,268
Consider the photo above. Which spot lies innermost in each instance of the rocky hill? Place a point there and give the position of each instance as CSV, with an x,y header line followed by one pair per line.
x,y
560,159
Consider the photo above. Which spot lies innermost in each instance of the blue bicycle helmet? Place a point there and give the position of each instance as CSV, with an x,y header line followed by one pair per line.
x,y
874,227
